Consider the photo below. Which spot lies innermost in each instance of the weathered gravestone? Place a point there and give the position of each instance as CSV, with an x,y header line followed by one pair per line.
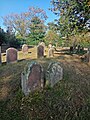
x,y
86,56
43,44
54,73
40,51
11,55
51,52
25,48
89,54
50,45
32,78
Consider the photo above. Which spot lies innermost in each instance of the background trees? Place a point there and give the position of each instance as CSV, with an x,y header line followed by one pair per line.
x,y
74,20
37,29
51,36
74,16
2,36
21,23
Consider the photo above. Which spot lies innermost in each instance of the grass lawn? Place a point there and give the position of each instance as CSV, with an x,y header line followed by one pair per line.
x,y
67,100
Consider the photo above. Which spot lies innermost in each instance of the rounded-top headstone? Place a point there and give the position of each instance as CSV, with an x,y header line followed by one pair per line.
x,y
25,48
54,73
40,51
11,55
32,77
42,43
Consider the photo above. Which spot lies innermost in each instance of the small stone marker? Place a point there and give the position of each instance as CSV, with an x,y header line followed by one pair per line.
x,y
32,78
25,48
86,56
51,52
54,73
11,55
40,51
0,55
50,45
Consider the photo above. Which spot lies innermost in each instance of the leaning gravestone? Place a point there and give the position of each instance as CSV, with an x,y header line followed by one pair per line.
x,y
11,55
40,51
25,48
32,78
54,73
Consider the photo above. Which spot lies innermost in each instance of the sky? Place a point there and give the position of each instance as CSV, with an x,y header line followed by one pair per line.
x,y
18,6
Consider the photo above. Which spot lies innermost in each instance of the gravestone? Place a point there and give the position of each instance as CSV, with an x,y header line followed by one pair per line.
x,y
32,78
54,73
11,55
25,48
40,51
43,44
50,45
51,52
86,56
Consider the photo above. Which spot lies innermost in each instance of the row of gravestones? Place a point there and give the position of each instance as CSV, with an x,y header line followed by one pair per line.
x,y
41,50
12,53
34,77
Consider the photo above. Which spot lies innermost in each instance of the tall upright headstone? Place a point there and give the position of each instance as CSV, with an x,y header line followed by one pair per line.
x,y
54,73
43,44
32,77
11,55
40,51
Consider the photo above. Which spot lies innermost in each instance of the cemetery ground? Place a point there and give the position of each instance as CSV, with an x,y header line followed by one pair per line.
x,y
69,99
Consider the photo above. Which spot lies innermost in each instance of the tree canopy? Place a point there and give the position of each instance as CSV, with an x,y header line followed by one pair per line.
x,y
74,15
21,22
37,29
